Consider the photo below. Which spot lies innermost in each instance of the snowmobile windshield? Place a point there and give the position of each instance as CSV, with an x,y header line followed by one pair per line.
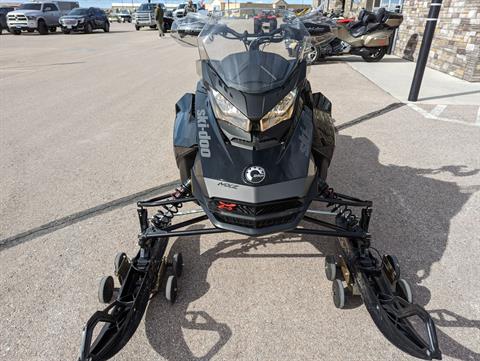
x,y
253,50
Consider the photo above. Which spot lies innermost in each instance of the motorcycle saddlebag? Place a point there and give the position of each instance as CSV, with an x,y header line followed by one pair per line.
x,y
392,20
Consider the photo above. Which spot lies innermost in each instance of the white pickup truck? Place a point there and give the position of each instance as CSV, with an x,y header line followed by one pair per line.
x,y
145,16
41,16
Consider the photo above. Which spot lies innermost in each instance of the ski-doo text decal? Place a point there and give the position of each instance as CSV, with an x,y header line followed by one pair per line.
x,y
203,137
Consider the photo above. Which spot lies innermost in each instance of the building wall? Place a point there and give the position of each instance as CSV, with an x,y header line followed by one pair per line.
x,y
129,6
353,9
456,46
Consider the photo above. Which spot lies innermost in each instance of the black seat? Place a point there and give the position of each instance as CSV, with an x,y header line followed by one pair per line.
x,y
367,22
359,22
380,15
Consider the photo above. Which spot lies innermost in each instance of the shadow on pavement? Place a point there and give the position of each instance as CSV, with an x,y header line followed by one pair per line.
x,y
97,31
450,95
35,33
411,219
452,347
73,33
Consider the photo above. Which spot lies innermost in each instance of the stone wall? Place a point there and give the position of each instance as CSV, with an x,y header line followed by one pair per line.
x,y
456,46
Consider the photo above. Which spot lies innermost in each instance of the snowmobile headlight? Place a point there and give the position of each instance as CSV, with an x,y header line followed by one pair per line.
x,y
227,112
282,111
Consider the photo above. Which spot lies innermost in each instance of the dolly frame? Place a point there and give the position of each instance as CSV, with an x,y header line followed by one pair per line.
x,y
375,280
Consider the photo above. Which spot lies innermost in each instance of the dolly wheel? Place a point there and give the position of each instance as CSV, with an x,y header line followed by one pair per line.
x,y
177,264
171,289
404,290
121,265
330,268
338,293
106,289
120,256
393,261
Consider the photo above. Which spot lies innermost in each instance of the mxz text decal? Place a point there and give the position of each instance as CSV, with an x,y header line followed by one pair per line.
x,y
227,185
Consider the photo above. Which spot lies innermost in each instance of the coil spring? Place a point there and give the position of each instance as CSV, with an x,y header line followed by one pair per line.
x,y
164,216
342,210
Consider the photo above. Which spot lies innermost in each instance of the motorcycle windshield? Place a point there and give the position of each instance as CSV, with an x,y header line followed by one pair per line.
x,y
253,50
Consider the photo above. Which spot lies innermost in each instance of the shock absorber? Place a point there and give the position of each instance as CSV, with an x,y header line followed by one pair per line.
x,y
164,216
343,211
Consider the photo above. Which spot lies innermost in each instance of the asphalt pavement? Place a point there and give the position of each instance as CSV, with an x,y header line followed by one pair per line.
x,y
85,128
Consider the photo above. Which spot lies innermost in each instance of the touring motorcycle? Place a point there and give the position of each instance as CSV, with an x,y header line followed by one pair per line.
x,y
253,146
368,37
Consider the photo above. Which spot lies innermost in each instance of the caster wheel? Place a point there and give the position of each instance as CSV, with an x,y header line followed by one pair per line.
x,y
106,289
392,267
330,268
118,260
171,289
338,293
177,264
121,266
404,290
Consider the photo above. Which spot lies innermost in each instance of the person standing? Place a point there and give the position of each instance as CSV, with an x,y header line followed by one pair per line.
x,y
159,19
189,8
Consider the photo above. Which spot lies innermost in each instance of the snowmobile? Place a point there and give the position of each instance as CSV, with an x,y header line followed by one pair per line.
x,y
253,146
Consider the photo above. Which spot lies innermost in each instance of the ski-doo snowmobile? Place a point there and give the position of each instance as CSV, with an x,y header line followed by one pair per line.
x,y
253,146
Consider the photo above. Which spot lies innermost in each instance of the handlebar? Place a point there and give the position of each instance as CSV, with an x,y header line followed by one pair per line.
x,y
276,36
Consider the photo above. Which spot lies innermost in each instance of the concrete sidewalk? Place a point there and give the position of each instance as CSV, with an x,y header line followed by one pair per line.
x,y
394,75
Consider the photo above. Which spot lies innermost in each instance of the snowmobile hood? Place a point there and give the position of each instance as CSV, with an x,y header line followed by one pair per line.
x,y
269,171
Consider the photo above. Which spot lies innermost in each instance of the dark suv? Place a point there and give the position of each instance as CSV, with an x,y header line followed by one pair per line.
x,y
85,19
3,18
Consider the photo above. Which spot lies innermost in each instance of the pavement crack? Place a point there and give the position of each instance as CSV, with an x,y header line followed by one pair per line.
x,y
82,215
42,65
369,116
